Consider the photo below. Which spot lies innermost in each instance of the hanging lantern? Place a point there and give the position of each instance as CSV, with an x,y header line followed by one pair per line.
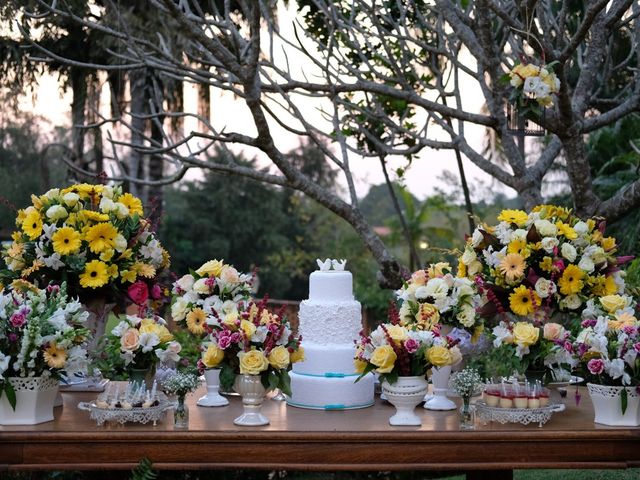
x,y
517,122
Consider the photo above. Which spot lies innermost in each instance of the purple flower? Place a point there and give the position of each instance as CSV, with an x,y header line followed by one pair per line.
x,y
411,345
19,318
636,347
224,342
629,330
568,346
210,282
582,349
588,323
595,366
13,337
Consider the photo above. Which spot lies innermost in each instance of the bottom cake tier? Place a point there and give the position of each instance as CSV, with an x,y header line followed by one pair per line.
x,y
331,392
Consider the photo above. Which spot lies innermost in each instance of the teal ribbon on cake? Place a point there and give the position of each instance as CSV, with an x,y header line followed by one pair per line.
x,y
329,375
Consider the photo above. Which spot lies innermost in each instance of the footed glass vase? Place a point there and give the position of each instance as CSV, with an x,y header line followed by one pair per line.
x,y
440,380
213,397
181,414
253,394
143,376
405,394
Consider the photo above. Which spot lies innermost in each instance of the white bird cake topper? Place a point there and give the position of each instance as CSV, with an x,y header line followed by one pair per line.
x,y
339,264
328,264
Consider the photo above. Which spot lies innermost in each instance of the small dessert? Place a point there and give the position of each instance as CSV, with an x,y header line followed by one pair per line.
x,y
492,398
100,403
544,397
521,400
506,401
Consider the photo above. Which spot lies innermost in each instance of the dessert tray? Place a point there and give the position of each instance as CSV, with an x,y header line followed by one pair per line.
x,y
121,415
524,416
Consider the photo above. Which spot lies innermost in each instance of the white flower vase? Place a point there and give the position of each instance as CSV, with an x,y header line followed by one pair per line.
x,y
35,397
253,394
607,405
405,394
440,380
213,397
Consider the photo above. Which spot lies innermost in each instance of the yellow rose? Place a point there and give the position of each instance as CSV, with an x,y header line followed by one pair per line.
x,y
397,333
612,303
359,365
279,357
439,356
252,362
297,355
248,328
525,334
212,268
384,358
164,333
212,356
130,339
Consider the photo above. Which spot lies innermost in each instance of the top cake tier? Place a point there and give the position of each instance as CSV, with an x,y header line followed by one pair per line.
x,y
331,286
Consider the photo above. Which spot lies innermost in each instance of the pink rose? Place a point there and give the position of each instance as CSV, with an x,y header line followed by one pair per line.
x,y
419,277
156,292
595,366
224,342
138,292
18,319
230,275
552,331
130,340
411,345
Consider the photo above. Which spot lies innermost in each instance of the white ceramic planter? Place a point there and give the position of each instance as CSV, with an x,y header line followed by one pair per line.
x,y
405,394
607,405
253,394
35,397
213,397
440,380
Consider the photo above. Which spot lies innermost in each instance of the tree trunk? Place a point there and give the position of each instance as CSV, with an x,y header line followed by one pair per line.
x,y
204,105
585,201
78,79
137,79
156,161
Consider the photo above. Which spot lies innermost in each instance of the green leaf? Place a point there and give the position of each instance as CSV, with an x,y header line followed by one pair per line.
x,y
624,400
285,382
227,377
274,380
7,388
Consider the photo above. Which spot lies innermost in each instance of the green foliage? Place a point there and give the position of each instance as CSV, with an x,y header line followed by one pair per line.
x,y
190,353
9,391
144,471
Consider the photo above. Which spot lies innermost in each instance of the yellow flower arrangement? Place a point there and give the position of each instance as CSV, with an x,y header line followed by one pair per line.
x,y
93,236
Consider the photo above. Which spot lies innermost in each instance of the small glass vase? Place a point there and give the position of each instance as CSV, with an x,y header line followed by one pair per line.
x,y
467,414
181,414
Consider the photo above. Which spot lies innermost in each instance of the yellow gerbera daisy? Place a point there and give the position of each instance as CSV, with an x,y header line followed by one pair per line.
x,y
196,320
144,269
85,190
101,237
66,241
519,245
32,224
462,270
95,274
523,301
512,267
571,281
132,203
513,216
91,216
54,356
566,230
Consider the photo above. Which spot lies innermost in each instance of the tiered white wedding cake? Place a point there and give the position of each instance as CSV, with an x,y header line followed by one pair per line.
x,y
329,322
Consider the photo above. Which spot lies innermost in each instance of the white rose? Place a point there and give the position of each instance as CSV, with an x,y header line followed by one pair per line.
x,y
587,264
467,316
581,228
436,288
571,302
545,228
52,194
201,286
421,292
185,283
568,251
120,243
71,199
179,310
476,238
107,205
121,210
545,287
107,192
57,212
468,256
519,234
549,243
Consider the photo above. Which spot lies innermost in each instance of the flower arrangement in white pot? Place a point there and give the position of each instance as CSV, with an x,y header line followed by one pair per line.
x,y
42,337
608,348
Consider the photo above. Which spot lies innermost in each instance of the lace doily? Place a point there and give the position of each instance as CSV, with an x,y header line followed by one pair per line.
x,y
517,415
135,415
610,391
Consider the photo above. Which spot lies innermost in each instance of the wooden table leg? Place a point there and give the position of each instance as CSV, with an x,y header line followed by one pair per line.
x,y
489,475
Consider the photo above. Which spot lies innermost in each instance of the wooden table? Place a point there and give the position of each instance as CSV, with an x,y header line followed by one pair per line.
x,y
300,439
